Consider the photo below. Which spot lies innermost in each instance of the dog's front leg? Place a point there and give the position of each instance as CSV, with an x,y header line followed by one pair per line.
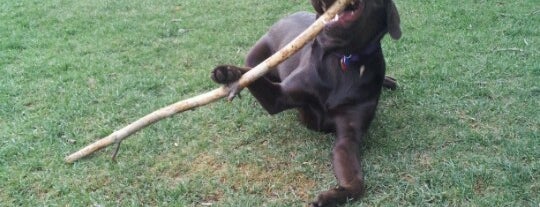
x,y
270,95
350,129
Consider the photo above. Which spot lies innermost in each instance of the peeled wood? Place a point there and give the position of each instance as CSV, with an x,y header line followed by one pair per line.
x,y
308,35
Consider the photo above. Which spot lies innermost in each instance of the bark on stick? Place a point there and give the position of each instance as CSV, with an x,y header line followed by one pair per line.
x,y
308,35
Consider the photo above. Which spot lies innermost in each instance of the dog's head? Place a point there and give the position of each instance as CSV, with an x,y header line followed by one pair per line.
x,y
362,22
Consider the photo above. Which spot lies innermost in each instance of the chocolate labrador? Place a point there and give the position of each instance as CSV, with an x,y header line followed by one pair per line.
x,y
335,81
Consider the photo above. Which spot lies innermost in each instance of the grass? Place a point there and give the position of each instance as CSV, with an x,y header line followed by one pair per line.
x,y
462,130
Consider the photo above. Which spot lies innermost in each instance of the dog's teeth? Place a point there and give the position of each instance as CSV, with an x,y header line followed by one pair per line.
x,y
336,18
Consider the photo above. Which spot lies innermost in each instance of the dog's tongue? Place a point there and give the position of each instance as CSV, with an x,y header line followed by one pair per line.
x,y
346,17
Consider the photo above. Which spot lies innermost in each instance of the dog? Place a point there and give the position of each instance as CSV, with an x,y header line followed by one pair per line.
x,y
334,81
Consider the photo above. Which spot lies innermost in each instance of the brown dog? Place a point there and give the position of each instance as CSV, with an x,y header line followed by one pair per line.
x,y
334,82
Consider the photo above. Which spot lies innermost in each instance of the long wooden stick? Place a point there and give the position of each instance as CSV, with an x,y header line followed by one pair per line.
x,y
309,34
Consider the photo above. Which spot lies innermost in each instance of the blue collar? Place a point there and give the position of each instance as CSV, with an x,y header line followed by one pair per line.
x,y
348,60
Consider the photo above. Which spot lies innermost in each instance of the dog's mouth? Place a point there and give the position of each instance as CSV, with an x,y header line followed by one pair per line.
x,y
348,16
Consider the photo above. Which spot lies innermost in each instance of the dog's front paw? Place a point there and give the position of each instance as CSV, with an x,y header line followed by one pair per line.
x,y
225,74
336,196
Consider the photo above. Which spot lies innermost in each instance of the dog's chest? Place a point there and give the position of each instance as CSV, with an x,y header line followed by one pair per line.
x,y
349,87
346,89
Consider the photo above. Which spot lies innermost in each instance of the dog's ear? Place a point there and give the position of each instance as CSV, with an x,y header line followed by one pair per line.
x,y
317,5
392,20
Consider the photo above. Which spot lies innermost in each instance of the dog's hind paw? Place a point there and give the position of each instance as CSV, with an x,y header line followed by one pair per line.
x,y
226,74
390,83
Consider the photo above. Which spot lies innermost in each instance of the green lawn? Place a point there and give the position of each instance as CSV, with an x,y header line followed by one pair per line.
x,y
462,129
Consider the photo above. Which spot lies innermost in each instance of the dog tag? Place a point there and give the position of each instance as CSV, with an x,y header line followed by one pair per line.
x,y
345,62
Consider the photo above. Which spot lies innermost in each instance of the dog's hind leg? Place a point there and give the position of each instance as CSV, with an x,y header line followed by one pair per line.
x,y
390,83
315,119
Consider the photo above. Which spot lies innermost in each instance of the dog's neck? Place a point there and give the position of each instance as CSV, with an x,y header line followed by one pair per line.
x,y
350,60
